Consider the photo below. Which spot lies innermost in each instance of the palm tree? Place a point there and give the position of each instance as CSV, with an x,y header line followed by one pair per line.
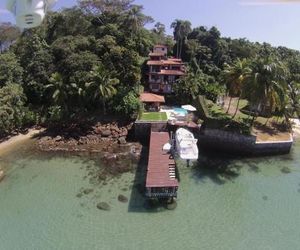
x,y
135,19
235,76
101,86
266,86
181,30
294,96
59,89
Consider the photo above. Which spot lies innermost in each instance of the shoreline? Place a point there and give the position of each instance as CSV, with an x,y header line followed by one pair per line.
x,y
14,140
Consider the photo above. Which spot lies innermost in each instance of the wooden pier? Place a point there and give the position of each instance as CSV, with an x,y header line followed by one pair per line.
x,y
161,181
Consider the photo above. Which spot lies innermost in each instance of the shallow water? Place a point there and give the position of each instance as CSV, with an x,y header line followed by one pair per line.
x,y
244,204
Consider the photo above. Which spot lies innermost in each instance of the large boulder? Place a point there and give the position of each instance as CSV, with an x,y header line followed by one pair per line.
x,y
58,138
122,140
106,133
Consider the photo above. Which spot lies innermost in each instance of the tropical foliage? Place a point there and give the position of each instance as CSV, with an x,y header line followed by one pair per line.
x,y
89,58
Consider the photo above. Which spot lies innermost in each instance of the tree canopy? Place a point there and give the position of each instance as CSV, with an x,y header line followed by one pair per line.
x,y
90,57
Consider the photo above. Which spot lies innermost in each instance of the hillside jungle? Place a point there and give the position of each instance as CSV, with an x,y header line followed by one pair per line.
x,y
86,65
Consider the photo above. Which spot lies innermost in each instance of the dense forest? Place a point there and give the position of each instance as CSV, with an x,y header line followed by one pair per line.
x,y
90,58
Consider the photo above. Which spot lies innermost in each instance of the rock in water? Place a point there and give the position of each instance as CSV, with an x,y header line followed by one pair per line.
x,y
103,206
2,175
122,198
285,170
88,190
172,205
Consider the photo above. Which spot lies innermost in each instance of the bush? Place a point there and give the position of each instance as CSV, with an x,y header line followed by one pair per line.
x,y
55,114
129,105
12,110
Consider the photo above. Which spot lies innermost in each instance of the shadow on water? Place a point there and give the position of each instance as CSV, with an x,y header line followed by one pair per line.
x,y
137,201
219,168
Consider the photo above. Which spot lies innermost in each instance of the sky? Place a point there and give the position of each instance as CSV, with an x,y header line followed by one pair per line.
x,y
273,21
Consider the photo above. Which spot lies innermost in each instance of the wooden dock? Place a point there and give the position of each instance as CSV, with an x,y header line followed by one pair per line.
x,y
161,181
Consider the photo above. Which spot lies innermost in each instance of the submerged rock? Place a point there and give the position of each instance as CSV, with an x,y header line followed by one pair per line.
x,y
88,191
79,195
103,206
285,170
122,198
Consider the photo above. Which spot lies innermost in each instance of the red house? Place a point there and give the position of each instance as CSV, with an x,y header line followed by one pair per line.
x,y
163,71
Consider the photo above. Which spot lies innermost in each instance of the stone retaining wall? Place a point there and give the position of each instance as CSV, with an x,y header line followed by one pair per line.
x,y
143,129
230,142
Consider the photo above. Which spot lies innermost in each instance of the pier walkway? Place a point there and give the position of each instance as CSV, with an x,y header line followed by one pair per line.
x,y
161,181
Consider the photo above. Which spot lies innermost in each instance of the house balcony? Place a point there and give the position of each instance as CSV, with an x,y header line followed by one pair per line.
x,y
165,88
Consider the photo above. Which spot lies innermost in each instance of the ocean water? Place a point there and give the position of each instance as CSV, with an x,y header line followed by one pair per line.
x,y
223,203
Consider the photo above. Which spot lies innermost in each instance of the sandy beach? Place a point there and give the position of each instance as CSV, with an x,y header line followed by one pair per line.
x,y
13,141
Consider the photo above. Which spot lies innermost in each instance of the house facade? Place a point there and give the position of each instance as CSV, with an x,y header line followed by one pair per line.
x,y
163,71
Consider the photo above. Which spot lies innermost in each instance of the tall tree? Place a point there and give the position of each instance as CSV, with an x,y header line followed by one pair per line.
x,y
181,30
8,34
135,19
102,86
235,76
10,69
59,90
266,87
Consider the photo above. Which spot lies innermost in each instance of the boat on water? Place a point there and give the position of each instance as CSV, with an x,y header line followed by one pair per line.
x,y
186,144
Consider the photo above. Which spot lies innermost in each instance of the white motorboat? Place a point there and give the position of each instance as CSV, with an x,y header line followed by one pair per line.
x,y
186,144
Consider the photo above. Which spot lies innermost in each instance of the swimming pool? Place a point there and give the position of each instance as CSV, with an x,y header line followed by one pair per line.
x,y
181,111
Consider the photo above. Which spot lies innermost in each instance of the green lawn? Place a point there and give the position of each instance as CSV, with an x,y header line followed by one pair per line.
x,y
153,116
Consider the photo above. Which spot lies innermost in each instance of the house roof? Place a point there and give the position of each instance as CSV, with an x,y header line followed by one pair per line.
x,y
164,62
151,62
171,72
156,54
160,46
149,97
173,62
175,59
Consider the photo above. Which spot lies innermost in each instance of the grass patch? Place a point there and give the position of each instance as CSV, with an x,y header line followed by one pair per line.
x,y
153,116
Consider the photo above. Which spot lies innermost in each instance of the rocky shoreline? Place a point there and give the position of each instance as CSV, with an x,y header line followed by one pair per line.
x,y
104,142
98,138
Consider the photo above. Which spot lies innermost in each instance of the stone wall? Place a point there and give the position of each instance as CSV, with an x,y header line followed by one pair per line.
x,y
143,129
276,147
234,143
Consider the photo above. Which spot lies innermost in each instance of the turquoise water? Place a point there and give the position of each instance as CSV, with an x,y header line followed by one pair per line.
x,y
223,204
180,110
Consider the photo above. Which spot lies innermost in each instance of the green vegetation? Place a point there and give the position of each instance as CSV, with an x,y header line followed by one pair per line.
x,y
81,60
92,57
153,116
